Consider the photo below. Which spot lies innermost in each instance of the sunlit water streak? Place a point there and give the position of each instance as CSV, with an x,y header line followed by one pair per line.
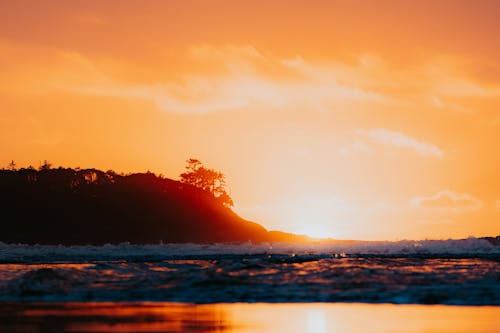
x,y
308,318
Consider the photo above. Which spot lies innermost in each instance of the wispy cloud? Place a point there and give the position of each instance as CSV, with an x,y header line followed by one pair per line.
x,y
238,78
400,140
447,200
357,146
207,78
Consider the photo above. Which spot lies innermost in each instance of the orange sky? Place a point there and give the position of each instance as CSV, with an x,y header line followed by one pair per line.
x,y
349,119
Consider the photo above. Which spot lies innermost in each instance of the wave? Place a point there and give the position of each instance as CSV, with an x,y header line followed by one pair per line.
x,y
446,272
22,253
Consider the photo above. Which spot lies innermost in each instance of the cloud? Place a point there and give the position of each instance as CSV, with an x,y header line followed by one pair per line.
x,y
207,78
240,77
400,140
234,77
447,200
357,146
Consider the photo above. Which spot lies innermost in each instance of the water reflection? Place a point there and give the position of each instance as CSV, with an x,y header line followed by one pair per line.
x,y
244,317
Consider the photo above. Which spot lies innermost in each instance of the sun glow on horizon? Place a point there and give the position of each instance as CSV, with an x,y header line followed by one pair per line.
x,y
315,217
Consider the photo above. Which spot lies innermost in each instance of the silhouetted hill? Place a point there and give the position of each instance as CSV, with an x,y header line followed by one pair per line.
x,y
68,206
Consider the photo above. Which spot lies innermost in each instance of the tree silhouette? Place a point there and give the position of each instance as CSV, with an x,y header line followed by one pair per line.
x,y
45,166
209,180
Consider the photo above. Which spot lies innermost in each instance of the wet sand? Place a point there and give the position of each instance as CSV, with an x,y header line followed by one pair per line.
x,y
246,317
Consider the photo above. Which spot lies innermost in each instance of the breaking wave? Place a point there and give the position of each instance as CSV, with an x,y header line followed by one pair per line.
x,y
462,272
470,247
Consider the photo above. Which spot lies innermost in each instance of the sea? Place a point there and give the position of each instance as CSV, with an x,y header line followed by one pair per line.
x,y
403,286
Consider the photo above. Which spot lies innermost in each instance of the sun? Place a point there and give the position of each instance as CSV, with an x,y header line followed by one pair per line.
x,y
314,216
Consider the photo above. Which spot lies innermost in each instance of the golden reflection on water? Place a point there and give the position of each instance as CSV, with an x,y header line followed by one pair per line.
x,y
244,317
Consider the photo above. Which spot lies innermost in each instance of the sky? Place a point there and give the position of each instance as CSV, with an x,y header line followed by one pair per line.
x,y
376,120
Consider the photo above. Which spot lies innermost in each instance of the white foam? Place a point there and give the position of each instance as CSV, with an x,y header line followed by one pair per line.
x,y
23,253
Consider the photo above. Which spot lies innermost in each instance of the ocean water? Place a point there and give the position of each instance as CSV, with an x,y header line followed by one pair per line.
x,y
451,272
